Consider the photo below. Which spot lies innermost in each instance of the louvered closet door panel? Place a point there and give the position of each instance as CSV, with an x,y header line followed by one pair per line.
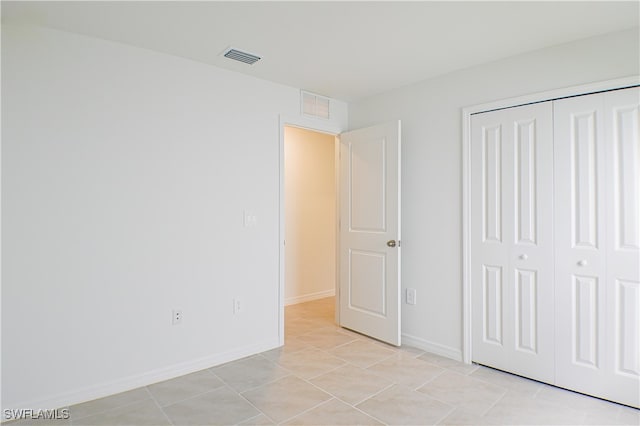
x,y
511,230
596,222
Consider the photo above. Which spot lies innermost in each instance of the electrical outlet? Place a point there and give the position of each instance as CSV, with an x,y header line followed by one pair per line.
x,y
237,306
176,316
411,296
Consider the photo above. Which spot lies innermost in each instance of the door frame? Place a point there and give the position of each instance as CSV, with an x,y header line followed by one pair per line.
x,y
313,125
546,96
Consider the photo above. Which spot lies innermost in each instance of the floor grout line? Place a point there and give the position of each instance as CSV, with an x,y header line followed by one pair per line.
x,y
485,412
259,410
164,413
179,401
149,396
333,396
453,408
307,410
429,380
269,382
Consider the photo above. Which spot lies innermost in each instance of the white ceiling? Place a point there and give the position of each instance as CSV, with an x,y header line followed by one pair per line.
x,y
345,50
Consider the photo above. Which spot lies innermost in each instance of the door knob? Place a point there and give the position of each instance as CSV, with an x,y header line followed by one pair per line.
x,y
391,243
523,257
583,262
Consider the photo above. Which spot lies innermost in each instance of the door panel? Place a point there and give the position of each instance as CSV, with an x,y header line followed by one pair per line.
x,y
367,169
628,327
622,179
623,123
369,218
492,304
367,282
585,321
584,194
525,185
492,183
597,256
526,311
511,248
579,148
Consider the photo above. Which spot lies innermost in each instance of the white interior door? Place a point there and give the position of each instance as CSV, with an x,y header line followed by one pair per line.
x,y
512,240
598,241
369,231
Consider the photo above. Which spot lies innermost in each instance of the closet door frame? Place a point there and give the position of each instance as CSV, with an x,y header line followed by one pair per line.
x,y
551,95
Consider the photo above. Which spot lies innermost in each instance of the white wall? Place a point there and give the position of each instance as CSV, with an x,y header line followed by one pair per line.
x,y
125,174
310,214
432,159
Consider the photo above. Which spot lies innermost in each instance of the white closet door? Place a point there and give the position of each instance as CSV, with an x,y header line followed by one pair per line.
x,y
622,127
597,240
512,241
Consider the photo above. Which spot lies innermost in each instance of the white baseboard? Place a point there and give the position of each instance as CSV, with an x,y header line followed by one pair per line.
x,y
132,382
309,297
435,348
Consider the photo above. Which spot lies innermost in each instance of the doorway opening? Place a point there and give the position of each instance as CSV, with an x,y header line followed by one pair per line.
x,y
310,216
366,174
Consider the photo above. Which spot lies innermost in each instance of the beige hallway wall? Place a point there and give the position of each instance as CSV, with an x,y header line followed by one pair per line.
x,y
310,215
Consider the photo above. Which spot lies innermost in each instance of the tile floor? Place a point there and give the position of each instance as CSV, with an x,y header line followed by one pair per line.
x,y
325,375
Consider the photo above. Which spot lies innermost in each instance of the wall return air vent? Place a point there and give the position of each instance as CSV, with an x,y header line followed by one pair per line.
x,y
314,105
239,55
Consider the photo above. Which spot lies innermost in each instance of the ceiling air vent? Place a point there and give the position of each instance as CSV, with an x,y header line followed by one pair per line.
x,y
239,55
314,105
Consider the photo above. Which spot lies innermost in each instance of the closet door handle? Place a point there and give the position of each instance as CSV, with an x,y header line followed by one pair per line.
x,y
523,257
583,262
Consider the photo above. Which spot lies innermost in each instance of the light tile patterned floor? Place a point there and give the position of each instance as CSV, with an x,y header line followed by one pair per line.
x,y
325,375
